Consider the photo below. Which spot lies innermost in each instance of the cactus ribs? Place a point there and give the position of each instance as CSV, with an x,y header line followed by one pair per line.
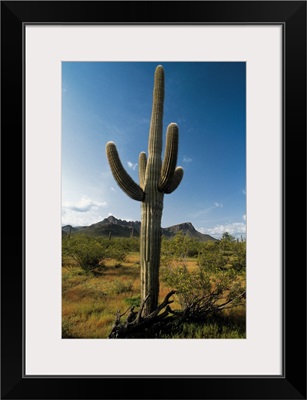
x,y
156,178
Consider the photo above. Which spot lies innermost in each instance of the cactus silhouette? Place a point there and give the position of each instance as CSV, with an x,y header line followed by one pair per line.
x,y
155,179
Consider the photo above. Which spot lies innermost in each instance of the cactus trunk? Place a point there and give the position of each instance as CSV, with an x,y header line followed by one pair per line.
x,y
150,249
156,178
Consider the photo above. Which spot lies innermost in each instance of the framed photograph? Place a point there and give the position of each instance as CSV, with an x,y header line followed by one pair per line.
x,y
91,91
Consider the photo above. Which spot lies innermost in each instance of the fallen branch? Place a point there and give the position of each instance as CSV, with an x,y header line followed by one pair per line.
x,y
165,320
136,325
139,315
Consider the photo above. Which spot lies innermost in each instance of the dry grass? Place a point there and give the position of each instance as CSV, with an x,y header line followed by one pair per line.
x,y
90,301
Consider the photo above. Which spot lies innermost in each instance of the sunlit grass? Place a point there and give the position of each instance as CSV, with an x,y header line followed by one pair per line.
x,y
90,302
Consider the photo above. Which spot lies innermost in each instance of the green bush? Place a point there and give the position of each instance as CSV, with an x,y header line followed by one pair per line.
x,y
133,301
202,293
223,254
89,252
180,246
119,248
85,250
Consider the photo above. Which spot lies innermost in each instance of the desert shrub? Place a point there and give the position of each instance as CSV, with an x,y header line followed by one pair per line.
x,y
202,293
211,257
119,248
85,250
68,263
239,258
180,246
223,254
133,301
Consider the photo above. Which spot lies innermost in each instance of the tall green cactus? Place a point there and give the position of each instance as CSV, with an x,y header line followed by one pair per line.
x,y
155,179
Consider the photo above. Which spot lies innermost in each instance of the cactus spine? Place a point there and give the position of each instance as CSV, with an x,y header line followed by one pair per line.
x,y
155,179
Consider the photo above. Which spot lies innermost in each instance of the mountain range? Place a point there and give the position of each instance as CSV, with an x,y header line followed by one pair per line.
x,y
114,227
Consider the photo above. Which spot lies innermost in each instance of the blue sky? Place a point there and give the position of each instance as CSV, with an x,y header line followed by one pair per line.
x,y
111,101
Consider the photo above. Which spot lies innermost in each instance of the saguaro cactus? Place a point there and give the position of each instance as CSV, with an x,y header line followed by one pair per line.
x,y
155,179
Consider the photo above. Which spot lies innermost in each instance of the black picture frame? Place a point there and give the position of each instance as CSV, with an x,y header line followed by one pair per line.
x,y
292,16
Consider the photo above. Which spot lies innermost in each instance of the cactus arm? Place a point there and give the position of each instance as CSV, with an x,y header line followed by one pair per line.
x,y
175,182
122,178
142,169
170,157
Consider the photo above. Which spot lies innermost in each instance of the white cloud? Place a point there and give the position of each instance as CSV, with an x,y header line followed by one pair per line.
x,y
244,217
112,188
131,165
83,212
244,191
83,205
187,159
235,229
216,204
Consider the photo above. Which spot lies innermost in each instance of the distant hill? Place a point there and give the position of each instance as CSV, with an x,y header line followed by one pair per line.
x,y
188,229
117,227
121,228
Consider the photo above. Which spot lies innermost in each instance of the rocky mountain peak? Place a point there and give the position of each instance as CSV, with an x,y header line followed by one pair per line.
x,y
122,228
111,219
